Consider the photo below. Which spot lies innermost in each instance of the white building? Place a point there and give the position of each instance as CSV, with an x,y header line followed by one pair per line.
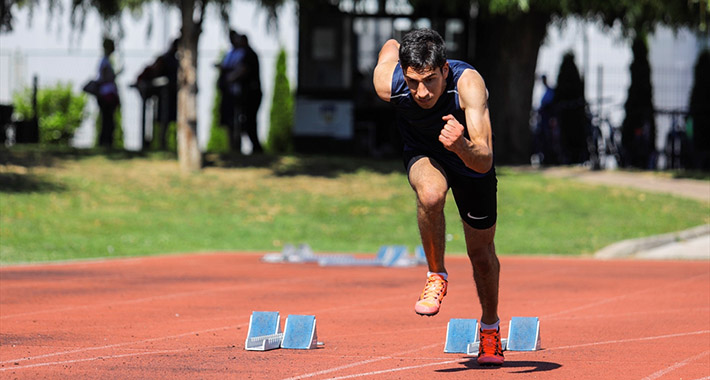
x,y
49,49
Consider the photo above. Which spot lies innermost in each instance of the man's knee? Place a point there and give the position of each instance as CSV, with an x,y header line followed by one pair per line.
x,y
479,243
431,199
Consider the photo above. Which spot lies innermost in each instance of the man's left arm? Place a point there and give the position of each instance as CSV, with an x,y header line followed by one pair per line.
x,y
477,151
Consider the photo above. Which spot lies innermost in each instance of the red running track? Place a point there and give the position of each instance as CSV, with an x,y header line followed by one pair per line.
x,y
186,317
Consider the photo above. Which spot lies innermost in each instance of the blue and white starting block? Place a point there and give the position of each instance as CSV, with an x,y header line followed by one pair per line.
x,y
420,256
459,334
524,334
300,332
462,335
264,331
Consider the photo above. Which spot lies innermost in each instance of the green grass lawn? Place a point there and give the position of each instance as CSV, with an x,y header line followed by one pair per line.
x,y
80,205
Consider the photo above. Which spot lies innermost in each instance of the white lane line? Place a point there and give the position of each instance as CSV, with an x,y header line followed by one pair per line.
x,y
377,359
700,332
392,370
124,344
91,359
675,366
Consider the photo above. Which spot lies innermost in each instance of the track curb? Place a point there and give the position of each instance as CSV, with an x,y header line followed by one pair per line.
x,y
628,248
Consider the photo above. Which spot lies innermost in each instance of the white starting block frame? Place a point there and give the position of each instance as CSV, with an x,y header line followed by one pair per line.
x,y
462,335
292,254
265,332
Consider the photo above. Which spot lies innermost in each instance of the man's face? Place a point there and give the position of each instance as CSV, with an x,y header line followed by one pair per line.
x,y
427,85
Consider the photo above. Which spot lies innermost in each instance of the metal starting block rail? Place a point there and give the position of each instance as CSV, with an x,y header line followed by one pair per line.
x,y
264,343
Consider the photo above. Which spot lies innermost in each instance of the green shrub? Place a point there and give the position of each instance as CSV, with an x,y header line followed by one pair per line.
x,y
59,112
170,137
218,142
280,139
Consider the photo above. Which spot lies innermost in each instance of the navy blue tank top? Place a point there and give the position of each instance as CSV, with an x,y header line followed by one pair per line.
x,y
420,128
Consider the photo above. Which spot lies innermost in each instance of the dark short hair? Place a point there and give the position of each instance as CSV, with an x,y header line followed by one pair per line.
x,y
108,44
422,49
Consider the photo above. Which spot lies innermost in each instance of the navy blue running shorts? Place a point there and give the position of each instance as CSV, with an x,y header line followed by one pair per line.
x,y
476,198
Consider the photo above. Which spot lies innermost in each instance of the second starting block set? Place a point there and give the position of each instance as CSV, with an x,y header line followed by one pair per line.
x,y
462,335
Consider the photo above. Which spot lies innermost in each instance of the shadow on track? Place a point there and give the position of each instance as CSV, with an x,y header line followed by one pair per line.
x,y
525,366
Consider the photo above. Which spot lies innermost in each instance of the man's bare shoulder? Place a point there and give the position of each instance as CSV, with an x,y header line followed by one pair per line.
x,y
472,89
382,79
386,63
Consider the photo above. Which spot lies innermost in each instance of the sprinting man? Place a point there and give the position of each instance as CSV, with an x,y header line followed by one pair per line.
x,y
442,114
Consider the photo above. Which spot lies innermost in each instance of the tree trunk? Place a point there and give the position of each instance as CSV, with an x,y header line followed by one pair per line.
x,y
506,56
189,155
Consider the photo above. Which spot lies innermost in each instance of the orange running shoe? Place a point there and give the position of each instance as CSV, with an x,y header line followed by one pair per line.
x,y
490,350
430,300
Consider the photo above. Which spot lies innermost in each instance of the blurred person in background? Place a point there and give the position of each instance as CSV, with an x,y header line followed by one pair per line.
x,y
107,96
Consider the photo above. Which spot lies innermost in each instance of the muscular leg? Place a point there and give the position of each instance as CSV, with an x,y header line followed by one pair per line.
x,y
429,183
486,269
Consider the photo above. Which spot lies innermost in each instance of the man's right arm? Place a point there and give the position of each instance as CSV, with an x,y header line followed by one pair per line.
x,y
386,62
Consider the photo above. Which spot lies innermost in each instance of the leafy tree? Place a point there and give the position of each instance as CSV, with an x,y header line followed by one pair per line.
x,y
699,112
219,141
279,140
638,131
572,117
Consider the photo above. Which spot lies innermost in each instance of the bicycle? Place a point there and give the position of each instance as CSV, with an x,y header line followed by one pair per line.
x,y
604,143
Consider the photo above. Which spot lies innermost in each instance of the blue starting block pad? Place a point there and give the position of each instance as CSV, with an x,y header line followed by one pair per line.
x,y
420,256
396,256
387,256
300,332
459,334
264,331
524,334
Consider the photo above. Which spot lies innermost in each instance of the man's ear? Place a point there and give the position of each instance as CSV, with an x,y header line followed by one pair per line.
x,y
445,69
